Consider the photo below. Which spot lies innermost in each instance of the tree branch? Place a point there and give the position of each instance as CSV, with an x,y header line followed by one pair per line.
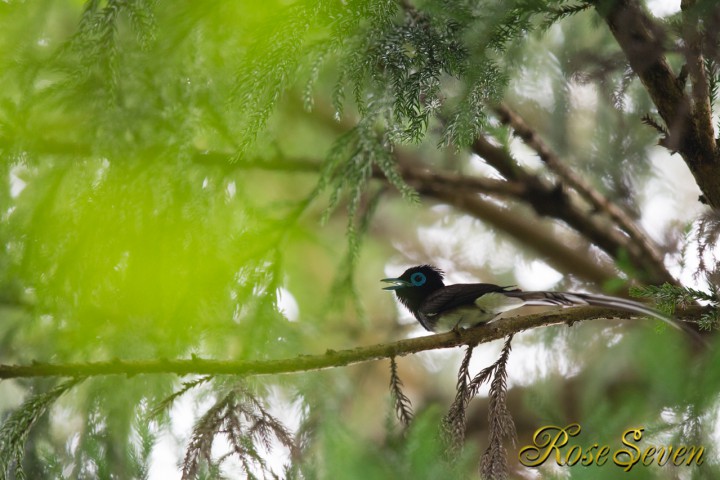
x,y
702,114
330,359
557,202
544,198
641,39
642,42
457,190
565,257
598,201
415,173
462,192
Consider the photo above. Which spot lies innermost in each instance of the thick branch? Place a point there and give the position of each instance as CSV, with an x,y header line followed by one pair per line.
x,y
702,114
577,260
329,359
642,42
545,199
690,133
419,176
557,202
598,201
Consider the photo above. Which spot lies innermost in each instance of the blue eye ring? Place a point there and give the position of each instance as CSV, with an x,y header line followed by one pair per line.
x,y
418,279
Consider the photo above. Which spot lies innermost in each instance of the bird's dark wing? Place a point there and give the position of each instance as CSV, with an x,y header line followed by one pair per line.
x,y
458,295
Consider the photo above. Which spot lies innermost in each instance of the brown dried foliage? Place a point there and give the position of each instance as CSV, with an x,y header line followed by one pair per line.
x,y
246,425
403,407
494,461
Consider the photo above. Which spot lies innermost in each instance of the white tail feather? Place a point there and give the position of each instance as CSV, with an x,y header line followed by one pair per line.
x,y
567,299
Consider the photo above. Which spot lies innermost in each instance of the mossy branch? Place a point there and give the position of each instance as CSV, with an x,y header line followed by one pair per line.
x,y
329,359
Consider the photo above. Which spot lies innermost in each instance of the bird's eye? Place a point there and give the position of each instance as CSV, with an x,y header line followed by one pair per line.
x,y
418,279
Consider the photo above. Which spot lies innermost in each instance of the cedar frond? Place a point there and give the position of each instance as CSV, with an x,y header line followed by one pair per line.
x,y
403,407
168,401
661,129
501,425
648,120
707,236
454,422
16,428
619,92
556,14
246,425
343,286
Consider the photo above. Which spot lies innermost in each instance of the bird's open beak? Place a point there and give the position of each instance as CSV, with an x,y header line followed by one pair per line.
x,y
399,283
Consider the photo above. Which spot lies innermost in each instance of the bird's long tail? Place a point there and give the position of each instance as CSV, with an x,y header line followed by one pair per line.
x,y
567,299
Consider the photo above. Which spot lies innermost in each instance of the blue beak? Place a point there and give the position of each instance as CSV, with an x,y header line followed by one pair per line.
x,y
399,283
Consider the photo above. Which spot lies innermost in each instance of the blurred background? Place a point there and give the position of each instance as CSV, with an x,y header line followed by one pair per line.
x,y
231,180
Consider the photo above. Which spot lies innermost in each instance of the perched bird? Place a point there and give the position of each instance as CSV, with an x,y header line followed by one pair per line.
x,y
439,307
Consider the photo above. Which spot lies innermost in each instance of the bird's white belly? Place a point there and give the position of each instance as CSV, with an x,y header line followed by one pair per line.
x,y
486,308
463,317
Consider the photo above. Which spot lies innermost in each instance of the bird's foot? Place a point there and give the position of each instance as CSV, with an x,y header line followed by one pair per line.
x,y
457,330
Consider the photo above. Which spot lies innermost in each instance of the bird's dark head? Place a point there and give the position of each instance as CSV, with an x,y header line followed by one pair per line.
x,y
415,284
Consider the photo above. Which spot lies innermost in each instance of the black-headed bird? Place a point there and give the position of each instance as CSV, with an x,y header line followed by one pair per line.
x,y
440,308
